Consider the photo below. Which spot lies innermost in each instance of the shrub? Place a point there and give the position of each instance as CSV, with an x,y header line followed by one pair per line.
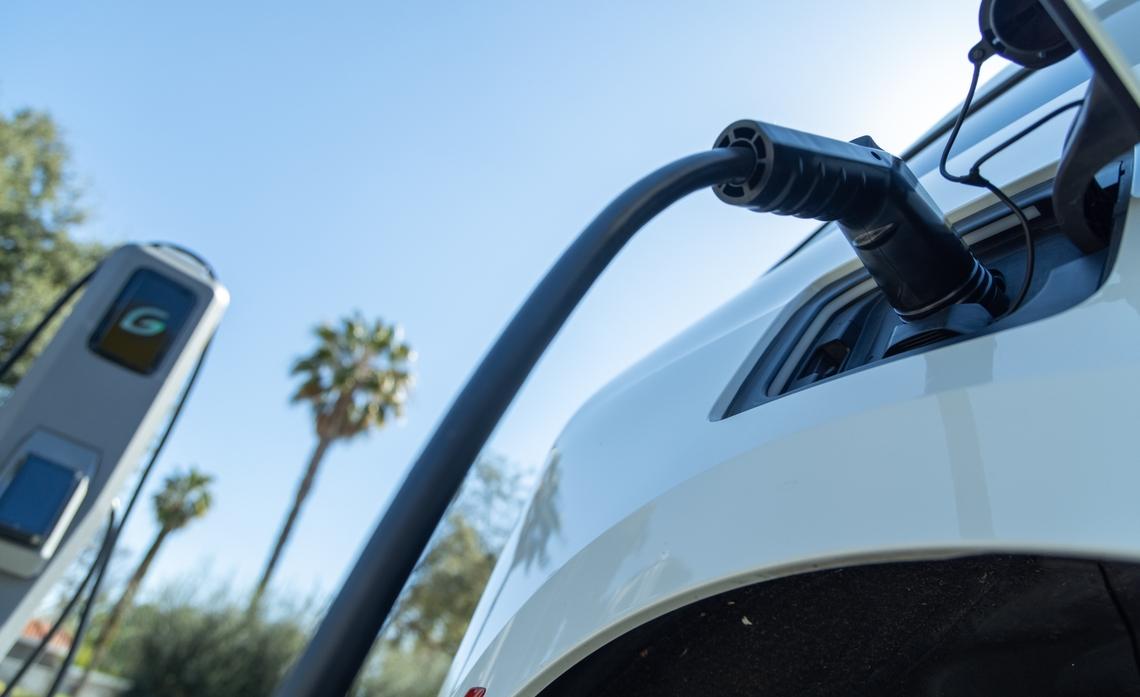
x,y
182,649
416,672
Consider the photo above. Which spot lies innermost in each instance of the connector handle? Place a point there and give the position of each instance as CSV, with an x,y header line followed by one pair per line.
x,y
893,225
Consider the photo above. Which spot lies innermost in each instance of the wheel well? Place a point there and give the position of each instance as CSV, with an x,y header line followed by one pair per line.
x,y
985,625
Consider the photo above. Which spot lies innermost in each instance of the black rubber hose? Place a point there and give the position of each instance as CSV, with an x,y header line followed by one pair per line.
x,y
85,616
30,338
96,567
346,634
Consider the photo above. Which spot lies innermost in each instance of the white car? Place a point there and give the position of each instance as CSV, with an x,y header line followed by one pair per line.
x,y
794,498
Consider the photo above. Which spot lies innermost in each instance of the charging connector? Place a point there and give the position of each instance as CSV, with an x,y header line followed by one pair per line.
x,y
895,228
345,636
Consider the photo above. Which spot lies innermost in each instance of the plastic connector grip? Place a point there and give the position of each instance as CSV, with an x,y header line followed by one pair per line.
x,y
891,222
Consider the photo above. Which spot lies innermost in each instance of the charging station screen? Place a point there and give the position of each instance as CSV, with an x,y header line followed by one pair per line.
x,y
145,319
34,499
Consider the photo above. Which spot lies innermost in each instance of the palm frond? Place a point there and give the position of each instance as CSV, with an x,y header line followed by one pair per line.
x,y
184,496
357,378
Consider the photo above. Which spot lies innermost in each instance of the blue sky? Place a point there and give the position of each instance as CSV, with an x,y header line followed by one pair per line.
x,y
426,162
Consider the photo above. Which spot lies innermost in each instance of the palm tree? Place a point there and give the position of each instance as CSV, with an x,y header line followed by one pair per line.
x,y
355,380
184,497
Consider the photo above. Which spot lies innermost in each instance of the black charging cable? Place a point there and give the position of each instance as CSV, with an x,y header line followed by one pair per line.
x,y
977,57
65,297
104,560
98,568
1030,256
974,169
978,54
101,563
974,177
341,644
30,338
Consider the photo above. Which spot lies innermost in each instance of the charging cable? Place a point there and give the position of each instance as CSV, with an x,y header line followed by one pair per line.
x,y
334,655
978,54
98,568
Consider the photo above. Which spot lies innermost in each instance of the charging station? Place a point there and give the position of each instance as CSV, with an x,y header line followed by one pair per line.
x,y
76,426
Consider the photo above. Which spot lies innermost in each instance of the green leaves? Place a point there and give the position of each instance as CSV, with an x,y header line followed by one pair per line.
x,y
33,176
38,206
356,378
436,606
185,496
184,647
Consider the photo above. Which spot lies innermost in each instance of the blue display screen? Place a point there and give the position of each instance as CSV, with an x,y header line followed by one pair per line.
x,y
35,498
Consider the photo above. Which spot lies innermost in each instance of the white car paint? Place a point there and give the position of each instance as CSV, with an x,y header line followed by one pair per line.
x,y
1021,440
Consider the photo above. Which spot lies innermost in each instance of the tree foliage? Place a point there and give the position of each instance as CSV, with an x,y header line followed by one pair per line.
x,y
182,647
183,498
356,379
413,672
39,206
435,608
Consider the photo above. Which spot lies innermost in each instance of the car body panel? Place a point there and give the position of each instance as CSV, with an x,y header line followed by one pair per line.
x,y
1016,441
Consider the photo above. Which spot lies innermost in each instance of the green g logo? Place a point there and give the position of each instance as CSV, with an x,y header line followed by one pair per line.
x,y
145,321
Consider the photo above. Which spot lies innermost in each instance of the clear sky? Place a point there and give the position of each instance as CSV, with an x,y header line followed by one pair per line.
x,y
427,162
